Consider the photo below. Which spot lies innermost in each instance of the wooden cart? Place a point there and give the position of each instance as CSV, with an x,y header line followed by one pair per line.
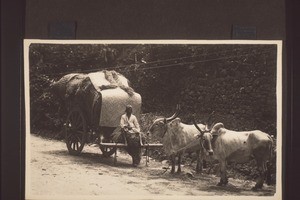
x,y
93,115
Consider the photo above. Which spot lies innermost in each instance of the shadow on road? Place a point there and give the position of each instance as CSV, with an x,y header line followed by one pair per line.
x,y
91,158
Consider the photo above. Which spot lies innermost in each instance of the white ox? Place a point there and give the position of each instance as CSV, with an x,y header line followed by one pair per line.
x,y
240,147
178,138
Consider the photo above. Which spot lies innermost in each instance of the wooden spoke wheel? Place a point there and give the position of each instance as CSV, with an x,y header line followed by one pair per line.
x,y
107,151
75,131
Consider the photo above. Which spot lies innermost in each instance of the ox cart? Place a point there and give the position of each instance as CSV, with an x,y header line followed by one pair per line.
x,y
94,103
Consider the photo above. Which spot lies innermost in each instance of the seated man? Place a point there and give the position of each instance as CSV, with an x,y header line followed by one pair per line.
x,y
129,122
132,135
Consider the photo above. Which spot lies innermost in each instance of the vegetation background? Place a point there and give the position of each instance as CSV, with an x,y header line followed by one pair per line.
x,y
237,82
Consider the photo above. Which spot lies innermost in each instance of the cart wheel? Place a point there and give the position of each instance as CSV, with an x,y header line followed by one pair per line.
x,y
107,151
75,131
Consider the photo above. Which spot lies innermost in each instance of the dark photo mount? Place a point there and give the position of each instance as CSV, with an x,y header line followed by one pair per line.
x,y
12,102
293,93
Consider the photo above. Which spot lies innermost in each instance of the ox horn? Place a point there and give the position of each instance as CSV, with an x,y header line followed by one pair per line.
x,y
209,117
212,125
174,115
198,128
207,121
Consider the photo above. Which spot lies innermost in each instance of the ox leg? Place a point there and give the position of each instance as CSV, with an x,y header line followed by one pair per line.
x,y
173,164
261,157
268,173
224,179
199,162
204,163
179,164
260,180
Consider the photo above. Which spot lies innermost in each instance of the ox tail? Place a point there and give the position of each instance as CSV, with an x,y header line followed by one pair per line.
x,y
269,163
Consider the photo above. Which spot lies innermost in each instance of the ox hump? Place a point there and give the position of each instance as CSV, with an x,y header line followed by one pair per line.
x,y
217,128
258,135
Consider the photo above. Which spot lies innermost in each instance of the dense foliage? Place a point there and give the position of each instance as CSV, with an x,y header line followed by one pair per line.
x,y
238,82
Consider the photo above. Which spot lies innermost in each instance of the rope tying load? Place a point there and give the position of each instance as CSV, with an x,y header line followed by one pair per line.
x,y
113,78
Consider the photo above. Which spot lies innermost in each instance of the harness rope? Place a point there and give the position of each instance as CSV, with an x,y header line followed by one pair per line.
x,y
184,148
166,128
202,149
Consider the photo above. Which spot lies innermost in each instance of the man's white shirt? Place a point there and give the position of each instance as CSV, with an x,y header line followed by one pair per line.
x,y
131,121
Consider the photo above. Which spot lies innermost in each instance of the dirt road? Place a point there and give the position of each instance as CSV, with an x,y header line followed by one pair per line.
x,y
54,172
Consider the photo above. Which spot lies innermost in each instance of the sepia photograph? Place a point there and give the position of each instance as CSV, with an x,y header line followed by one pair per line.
x,y
153,119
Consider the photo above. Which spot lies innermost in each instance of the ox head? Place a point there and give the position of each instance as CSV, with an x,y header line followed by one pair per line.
x,y
207,136
160,125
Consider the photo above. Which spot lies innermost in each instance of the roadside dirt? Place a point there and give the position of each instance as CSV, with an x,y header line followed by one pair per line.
x,y
54,172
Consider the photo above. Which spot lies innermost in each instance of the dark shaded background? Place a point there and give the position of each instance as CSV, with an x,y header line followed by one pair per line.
x,y
168,19
211,19
237,82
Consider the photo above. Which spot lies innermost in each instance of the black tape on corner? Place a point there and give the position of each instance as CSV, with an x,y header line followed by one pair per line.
x,y
243,32
62,30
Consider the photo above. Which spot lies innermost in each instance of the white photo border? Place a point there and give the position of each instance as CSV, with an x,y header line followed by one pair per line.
x,y
279,87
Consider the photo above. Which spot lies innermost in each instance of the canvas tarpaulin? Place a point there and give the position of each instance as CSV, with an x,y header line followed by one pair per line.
x,y
114,102
77,90
87,91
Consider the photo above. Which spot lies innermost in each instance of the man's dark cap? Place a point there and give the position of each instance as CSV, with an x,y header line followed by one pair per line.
x,y
128,107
